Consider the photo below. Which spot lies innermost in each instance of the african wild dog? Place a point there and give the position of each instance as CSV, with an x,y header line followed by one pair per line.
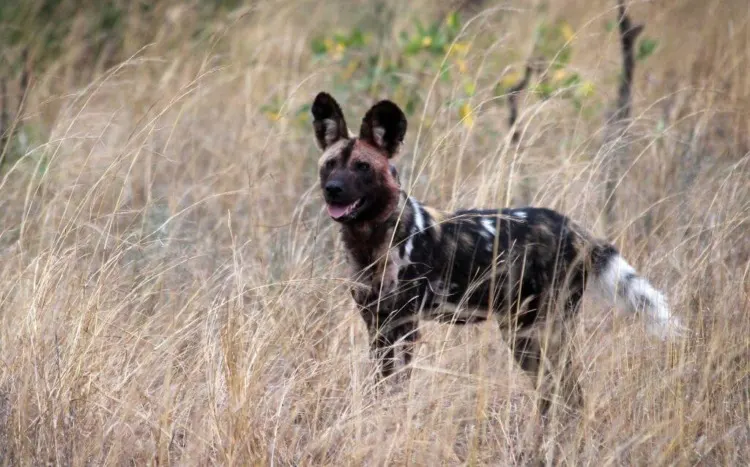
x,y
412,261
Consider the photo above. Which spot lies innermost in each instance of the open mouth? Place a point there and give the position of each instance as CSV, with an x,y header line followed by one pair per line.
x,y
339,211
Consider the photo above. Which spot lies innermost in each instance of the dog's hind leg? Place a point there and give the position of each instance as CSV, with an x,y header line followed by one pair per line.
x,y
549,363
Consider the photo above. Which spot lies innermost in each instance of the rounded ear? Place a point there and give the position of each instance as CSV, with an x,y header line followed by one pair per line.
x,y
328,120
384,126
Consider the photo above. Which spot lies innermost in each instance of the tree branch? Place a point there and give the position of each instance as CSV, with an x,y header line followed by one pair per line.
x,y
628,36
617,124
513,101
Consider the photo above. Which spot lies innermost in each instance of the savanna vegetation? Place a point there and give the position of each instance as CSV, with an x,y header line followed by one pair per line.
x,y
172,291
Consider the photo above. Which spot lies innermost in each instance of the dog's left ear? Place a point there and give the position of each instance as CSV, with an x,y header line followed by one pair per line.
x,y
384,126
328,121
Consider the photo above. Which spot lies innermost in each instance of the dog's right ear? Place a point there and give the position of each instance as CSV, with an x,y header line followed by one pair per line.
x,y
328,121
384,126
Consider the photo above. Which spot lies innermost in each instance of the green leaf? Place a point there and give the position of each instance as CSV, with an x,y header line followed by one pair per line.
x,y
470,89
357,39
413,47
646,47
420,29
562,58
438,44
552,43
572,80
434,28
318,46
445,74
545,90
453,21
411,106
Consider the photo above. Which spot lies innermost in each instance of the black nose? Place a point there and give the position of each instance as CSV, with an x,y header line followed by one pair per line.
x,y
334,189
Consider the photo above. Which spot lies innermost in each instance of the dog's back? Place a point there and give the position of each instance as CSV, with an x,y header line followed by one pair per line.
x,y
509,261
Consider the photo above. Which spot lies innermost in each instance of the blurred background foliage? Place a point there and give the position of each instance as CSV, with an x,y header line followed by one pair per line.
x,y
107,29
72,42
75,41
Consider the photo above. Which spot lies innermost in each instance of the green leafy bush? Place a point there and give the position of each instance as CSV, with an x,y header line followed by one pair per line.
x,y
360,66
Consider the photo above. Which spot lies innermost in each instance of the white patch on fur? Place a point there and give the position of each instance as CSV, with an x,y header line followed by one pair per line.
x,y
409,248
520,213
332,152
418,226
378,134
489,227
609,279
418,216
620,284
400,261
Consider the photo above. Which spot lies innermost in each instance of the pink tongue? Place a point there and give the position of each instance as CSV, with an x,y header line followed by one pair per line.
x,y
337,211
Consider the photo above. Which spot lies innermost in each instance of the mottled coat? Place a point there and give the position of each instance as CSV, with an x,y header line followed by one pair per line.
x,y
410,261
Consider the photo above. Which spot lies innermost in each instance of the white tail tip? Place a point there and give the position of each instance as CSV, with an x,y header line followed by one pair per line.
x,y
619,283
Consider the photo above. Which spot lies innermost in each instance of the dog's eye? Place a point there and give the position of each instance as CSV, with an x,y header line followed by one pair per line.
x,y
361,166
330,163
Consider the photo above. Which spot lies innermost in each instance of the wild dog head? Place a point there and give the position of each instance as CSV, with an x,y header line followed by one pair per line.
x,y
358,182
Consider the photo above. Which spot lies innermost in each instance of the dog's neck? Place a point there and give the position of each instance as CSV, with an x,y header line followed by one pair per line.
x,y
366,242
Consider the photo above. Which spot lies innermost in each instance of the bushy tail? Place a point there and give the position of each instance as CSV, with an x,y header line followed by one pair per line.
x,y
618,282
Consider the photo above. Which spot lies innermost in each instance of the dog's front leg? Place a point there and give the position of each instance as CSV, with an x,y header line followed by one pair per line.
x,y
386,331
382,351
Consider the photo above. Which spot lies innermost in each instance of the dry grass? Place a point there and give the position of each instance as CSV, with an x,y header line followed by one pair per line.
x,y
170,291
